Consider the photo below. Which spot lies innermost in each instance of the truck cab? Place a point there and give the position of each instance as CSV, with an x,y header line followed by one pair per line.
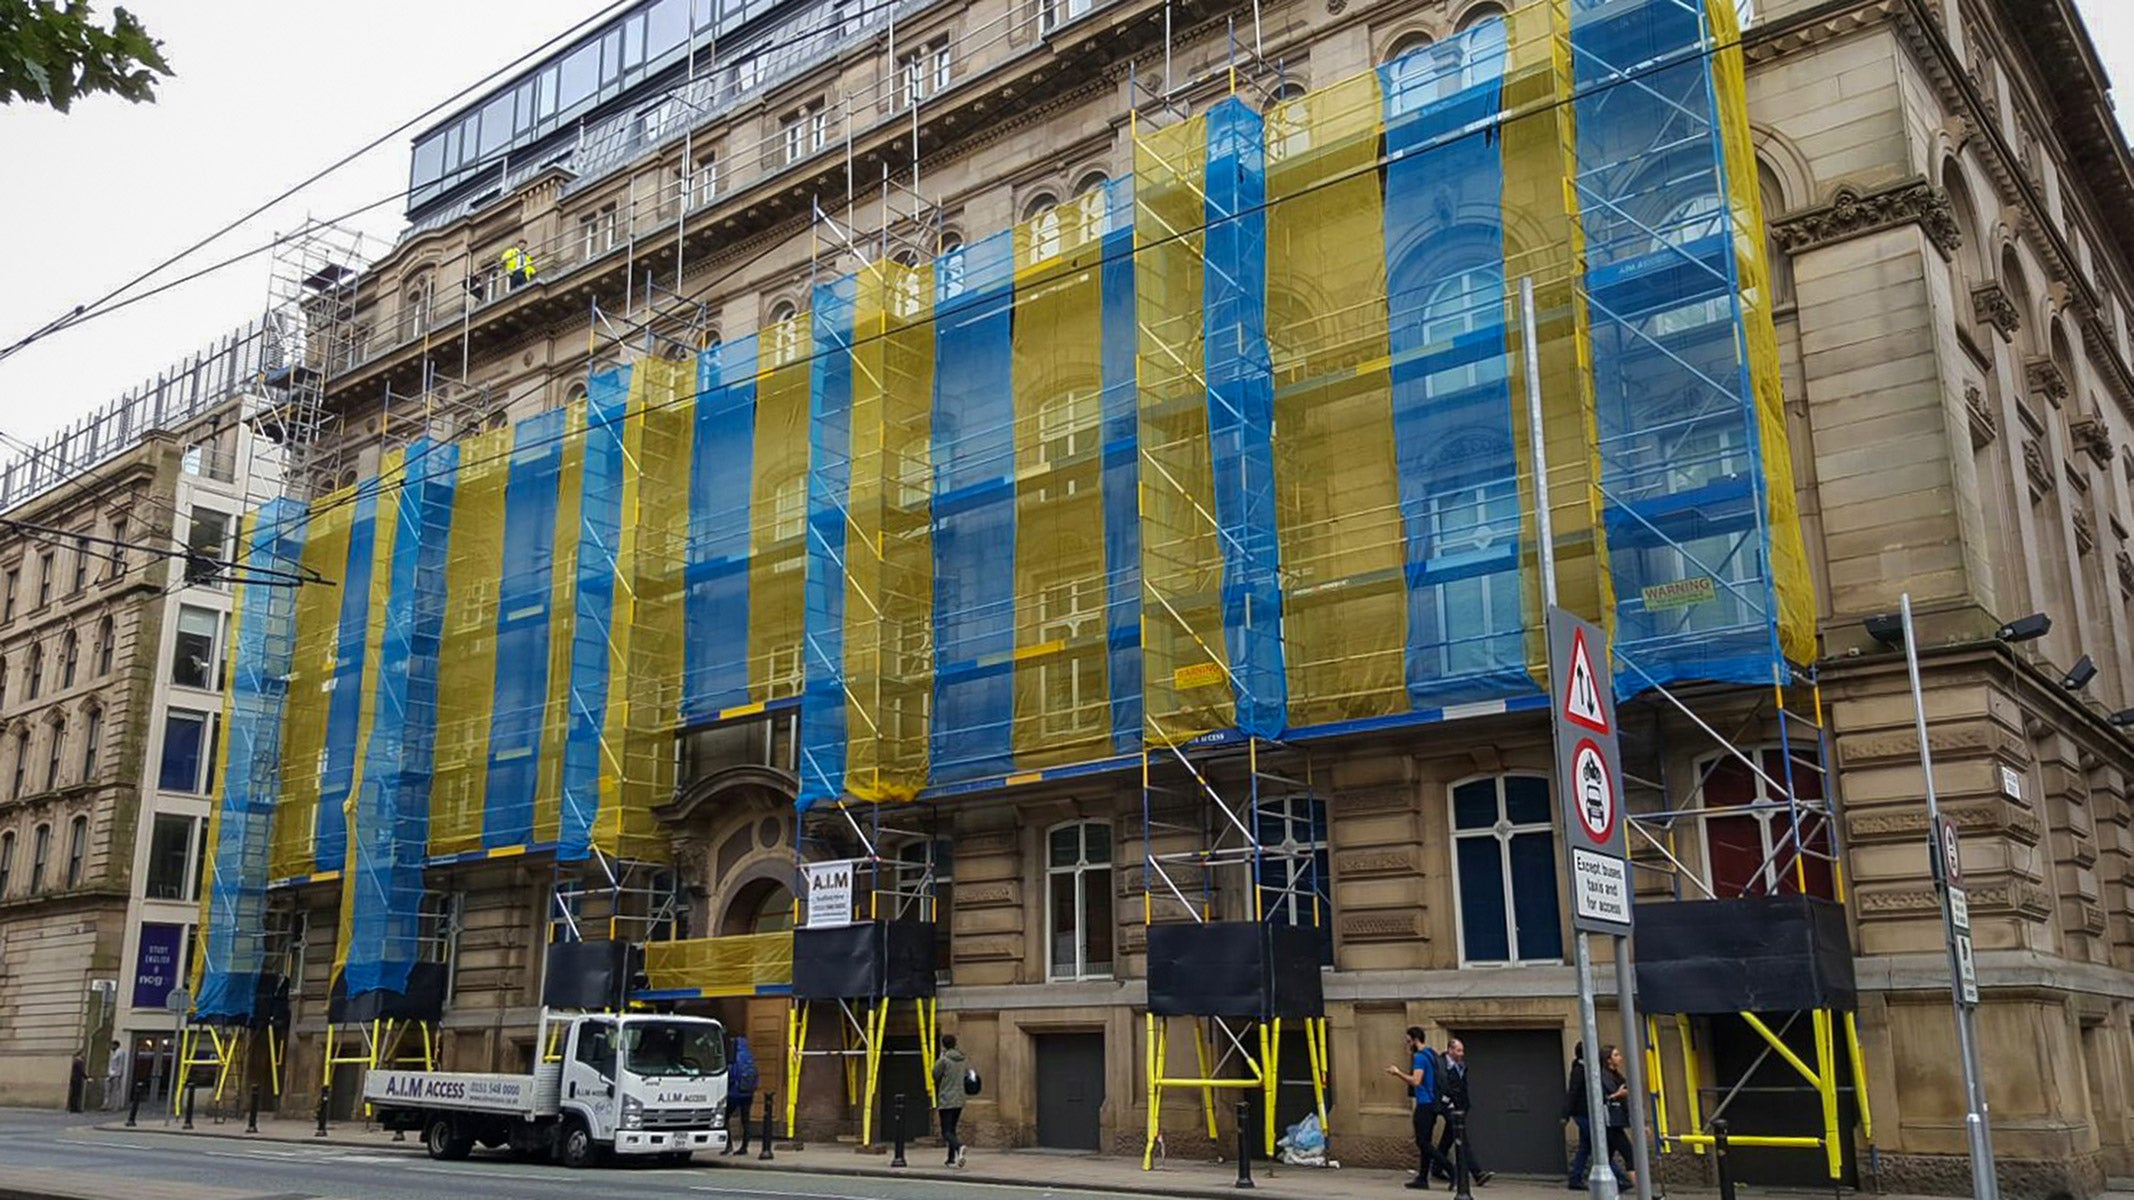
x,y
637,1085
644,1085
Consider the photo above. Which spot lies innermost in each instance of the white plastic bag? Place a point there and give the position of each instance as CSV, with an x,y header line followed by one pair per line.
x,y
1304,1143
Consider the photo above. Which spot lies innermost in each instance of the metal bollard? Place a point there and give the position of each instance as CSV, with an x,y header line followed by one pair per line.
x,y
191,1091
325,1094
1462,1181
1244,1145
896,1117
252,1111
768,1134
1720,1150
133,1107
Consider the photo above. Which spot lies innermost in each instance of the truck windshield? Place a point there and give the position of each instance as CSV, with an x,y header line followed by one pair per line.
x,y
677,1048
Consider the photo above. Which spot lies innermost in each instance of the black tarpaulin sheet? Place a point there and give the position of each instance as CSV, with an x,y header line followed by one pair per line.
x,y
1752,954
868,960
1234,969
590,975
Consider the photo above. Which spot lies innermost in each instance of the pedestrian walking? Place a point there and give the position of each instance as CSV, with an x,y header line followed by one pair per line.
x,y
1615,1090
741,1080
1575,1111
953,1080
114,1080
1452,1096
1421,1076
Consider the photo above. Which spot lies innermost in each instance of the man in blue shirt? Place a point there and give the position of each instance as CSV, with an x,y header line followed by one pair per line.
x,y
1422,1080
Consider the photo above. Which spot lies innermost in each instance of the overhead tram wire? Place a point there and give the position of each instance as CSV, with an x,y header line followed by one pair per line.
x,y
378,486
82,312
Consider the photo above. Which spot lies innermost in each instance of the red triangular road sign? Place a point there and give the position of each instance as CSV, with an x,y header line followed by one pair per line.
x,y
1582,685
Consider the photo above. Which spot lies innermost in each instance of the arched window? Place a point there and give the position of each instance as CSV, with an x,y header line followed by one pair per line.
x,y
1092,206
1078,915
1288,122
1456,306
40,857
948,268
77,850
3,681
92,741
69,658
789,507
1773,199
1042,218
785,332
36,684
1412,75
1482,45
1754,852
415,301
55,751
22,762
7,861
1504,862
106,646
2017,285
764,906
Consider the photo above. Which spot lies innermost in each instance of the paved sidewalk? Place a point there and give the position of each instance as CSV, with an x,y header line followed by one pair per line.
x,y
1043,1168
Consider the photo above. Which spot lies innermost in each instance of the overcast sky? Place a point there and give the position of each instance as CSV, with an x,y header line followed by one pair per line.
x,y
267,92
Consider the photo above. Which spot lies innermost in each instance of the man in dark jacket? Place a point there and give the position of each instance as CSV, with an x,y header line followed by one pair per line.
x,y
740,1094
1452,1095
1574,1109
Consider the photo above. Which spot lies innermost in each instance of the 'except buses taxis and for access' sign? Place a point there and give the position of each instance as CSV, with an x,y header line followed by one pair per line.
x,y
1589,775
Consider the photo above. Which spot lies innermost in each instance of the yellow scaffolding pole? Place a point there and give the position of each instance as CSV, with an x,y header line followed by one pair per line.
x,y
796,1027
1692,1084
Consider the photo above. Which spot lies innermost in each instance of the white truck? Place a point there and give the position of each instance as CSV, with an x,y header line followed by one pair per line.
x,y
625,1085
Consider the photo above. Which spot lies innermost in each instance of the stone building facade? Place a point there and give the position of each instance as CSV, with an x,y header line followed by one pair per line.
x,y
1956,322
110,699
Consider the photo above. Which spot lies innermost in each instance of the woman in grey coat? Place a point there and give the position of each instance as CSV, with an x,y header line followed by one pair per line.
x,y
949,1096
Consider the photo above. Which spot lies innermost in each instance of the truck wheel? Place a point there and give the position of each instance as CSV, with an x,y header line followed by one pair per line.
x,y
579,1150
444,1141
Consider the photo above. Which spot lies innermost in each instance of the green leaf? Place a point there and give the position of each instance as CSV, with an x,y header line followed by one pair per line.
x,y
53,53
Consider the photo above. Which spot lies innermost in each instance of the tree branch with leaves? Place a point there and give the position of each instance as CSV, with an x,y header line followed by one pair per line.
x,y
54,52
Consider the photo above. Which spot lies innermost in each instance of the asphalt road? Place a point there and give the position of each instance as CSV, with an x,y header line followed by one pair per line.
x,y
119,1163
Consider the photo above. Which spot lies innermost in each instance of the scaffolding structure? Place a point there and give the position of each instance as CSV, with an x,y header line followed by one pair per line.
x,y
885,991
1178,478
312,334
239,978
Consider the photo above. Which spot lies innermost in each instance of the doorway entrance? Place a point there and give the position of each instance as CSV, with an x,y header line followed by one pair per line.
x,y
1070,1090
1515,1088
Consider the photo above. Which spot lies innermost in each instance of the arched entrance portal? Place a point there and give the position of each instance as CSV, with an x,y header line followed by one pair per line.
x,y
761,906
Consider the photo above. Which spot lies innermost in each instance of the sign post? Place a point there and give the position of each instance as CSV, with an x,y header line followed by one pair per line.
x,y
180,1002
1589,786
1584,808
1945,863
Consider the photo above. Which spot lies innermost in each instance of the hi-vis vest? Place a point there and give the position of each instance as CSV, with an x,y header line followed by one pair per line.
x,y
518,262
